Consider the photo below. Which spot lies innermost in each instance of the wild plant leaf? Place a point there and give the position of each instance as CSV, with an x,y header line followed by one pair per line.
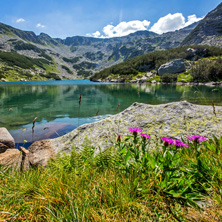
x,y
127,157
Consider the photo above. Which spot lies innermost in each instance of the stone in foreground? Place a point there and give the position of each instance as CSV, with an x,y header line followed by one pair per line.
x,y
176,120
11,158
41,151
6,140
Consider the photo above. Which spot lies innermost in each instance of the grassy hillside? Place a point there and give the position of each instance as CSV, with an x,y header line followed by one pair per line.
x,y
15,59
14,66
153,60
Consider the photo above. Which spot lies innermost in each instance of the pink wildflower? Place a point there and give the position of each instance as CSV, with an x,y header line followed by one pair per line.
x,y
197,138
145,136
135,131
167,141
179,143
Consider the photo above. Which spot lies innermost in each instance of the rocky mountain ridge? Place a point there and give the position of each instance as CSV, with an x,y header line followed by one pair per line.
x,y
208,31
80,57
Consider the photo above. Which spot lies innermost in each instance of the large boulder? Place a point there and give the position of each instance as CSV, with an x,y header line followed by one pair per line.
x,y
178,119
175,66
6,140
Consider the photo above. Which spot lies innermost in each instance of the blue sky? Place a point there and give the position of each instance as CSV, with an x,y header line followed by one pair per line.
x,y
102,18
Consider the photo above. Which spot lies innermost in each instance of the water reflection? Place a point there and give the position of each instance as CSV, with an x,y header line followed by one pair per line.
x,y
56,104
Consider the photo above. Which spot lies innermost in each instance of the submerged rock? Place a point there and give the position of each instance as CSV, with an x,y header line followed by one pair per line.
x,y
178,119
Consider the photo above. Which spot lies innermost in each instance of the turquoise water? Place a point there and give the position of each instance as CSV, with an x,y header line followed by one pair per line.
x,y
56,103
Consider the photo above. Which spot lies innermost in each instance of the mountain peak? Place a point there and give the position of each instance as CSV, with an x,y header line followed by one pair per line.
x,y
209,27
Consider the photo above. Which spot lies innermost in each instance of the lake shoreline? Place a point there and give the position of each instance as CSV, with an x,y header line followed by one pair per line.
x,y
163,83
212,83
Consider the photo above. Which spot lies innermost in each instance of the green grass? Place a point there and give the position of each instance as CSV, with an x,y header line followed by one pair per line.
x,y
184,77
128,182
156,78
15,66
14,59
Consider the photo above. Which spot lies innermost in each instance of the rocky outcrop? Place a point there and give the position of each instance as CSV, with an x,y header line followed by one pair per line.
x,y
208,28
175,66
176,120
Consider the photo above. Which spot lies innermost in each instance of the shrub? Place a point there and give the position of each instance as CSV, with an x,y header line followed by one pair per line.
x,y
207,70
167,77
51,76
71,60
67,69
84,73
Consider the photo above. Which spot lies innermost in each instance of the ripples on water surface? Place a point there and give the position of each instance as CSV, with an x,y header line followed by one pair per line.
x,y
55,103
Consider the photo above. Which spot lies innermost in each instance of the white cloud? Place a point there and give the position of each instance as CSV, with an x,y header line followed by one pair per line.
x,y
39,25
122,29
192,19
20,20
96,34
172,22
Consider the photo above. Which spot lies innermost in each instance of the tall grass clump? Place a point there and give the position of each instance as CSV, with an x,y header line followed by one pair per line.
x,y
179,180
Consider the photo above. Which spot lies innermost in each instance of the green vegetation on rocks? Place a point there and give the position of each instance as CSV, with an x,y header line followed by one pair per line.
x,y
20,45
67,69
15,59
153,60
85,65
207,70
84,73
14,66
71,60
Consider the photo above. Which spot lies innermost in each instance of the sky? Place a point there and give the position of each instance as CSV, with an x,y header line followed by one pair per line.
x,y
102,18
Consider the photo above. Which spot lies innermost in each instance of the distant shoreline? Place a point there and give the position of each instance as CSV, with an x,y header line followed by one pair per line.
x,y
164,83
130,82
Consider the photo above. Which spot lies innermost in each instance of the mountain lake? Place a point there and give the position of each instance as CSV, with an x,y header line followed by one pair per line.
x,y
56,104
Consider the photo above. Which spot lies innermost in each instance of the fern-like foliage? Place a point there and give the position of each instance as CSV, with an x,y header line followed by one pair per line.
x,y
87,158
